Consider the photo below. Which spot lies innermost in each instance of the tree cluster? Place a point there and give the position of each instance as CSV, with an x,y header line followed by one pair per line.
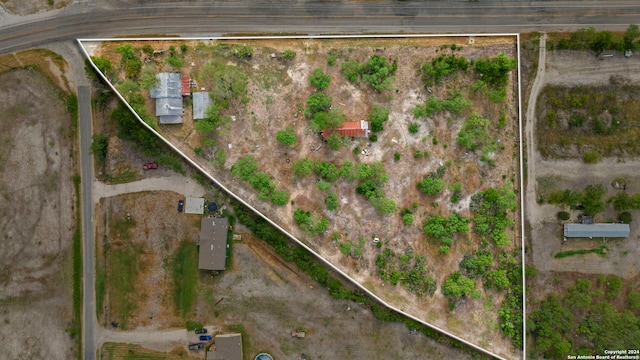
x,y
409,270
376,71
246,168
490,208
445,229
443,65
310,223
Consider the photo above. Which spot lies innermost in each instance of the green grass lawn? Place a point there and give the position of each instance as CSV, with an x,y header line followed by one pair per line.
x,y
184,269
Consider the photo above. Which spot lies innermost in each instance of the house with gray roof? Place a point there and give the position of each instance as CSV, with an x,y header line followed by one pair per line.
x,y
168,95
596,230
212,254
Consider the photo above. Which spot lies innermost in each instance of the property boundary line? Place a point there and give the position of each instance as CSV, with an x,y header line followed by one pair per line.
x,y
522,209
300,243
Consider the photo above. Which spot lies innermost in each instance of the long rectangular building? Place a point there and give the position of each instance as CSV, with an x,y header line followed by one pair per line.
x,y
213,243
596,230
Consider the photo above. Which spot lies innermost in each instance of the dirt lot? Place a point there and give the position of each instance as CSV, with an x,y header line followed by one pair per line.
x,y
27,7
274,89
36,166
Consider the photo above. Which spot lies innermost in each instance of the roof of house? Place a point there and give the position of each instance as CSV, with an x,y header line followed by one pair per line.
x,y
186,86
227,347
596,230
350,129
201,101
168,98
194,206
213,243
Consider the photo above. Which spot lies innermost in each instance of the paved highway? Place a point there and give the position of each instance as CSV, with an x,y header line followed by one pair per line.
x,y
86,172
88,19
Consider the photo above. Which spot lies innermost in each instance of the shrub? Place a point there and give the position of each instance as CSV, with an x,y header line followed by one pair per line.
x,y
334,141
289,54
316,103
351,70
377,72
625,217
407,219
396,156
563,215
286,136
345,249
331,201
373,138
495,70
441,66
591,157
280,197
377,117
99,147
431,185
414,128
323,185
319,79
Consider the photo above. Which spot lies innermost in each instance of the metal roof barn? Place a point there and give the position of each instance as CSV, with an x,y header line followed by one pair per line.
x,y
596,230
212,254
201,101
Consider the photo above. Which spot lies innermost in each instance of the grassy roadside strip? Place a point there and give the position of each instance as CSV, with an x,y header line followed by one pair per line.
x,y
75,330
310,265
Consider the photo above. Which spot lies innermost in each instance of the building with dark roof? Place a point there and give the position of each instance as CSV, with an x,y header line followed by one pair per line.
x,y
168,95
596,230
227,347
349,129
213,243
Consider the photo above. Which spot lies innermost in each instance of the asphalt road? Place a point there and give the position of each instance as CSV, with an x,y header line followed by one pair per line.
x,y
92,18
196,18
86,172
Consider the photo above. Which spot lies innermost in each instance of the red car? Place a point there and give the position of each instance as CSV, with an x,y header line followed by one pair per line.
x,y
150,166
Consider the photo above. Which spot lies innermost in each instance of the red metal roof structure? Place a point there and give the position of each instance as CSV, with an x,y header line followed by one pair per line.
x,y
186,87
349,129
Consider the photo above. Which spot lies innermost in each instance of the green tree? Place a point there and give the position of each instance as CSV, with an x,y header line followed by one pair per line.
x,y
431,185
103,64
377,72
384,205
592,201
495,70
320,79
245,167
280,197
378,116
331,201
318,102
351,70
334,141
286,136
497,279
630,36
99,147
407,219
414,128
474,265
457,286
303,167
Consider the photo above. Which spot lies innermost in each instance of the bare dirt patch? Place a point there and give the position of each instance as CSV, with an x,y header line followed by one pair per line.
x,y
37,219
27,7
147,229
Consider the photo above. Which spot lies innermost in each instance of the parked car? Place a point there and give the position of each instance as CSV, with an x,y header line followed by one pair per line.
x,y
205,337
196,346
180,205
201,331
150,166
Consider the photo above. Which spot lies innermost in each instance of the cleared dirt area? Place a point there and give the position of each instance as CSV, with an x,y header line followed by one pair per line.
x,y
545,239
37,202
27,7
278,89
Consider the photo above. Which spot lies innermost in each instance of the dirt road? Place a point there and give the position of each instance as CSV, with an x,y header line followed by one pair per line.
x,y
186,186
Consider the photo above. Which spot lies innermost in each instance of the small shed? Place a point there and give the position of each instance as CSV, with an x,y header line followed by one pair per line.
x,y
186,86
212,254
194,206
596,230
349,129
201,101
